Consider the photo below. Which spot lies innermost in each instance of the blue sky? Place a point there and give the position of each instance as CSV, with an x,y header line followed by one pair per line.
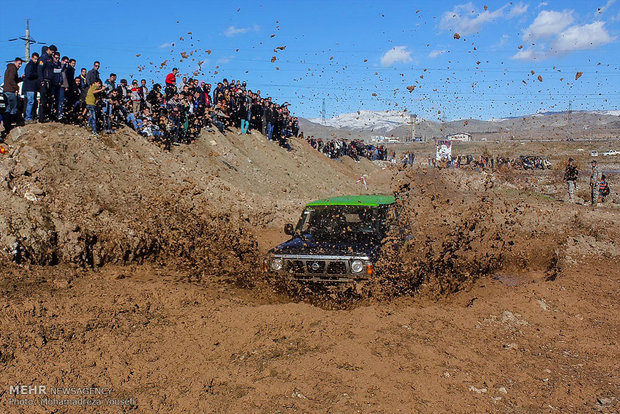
x,y
357,55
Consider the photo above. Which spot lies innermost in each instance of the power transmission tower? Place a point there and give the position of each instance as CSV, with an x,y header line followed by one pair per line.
x,y
27,40
323,112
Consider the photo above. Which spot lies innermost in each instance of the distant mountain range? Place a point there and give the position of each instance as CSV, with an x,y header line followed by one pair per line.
x,y
546,125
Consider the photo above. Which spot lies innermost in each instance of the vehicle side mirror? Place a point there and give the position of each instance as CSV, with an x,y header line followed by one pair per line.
x,y
289,229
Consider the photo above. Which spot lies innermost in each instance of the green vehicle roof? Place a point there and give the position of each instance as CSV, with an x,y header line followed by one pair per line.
x,y
359,200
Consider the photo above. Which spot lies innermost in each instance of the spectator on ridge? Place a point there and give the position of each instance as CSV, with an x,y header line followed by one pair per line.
x,y
31,86
11,88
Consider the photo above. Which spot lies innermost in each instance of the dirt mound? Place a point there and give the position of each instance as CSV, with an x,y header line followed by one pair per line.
x,y
68,197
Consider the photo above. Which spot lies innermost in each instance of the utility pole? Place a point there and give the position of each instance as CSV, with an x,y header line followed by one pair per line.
x,y
323,112
413,118
27,40
569,115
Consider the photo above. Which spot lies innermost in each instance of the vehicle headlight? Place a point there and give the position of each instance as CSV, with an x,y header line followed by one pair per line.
x,y
357,266
276,264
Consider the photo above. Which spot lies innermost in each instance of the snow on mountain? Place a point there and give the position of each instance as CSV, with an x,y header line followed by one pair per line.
x,y
375,120
614,113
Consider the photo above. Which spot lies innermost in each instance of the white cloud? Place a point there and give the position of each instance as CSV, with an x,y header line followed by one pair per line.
x,y
587,36
434,53
542,4
464,19
576,37
530,54
397,54
224,59
604,8
165,45
503,40
548,23
233,31
517,10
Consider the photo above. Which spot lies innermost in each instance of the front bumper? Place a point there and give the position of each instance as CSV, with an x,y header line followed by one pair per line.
x,y
320,268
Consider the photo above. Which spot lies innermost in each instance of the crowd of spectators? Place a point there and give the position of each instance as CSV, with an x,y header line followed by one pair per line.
x,y
355,149
483,162
175,114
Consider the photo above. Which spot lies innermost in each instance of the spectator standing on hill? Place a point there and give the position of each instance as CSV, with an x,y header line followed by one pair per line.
x,y
91,101
595,179
93,74
83,82
63,88
570,176
603,189
155,99
71,93
31,85
110,83
135,97
56,86
46,73
123,91
171,83
11,88
144,91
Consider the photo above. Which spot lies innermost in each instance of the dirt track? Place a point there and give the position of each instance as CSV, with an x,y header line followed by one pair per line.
x,y
537,333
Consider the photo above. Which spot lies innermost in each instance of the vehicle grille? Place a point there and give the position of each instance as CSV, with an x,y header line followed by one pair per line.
x,y
309,266
337,268
295,266
315,266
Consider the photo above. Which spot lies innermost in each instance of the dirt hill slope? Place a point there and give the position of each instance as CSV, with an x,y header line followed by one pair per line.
x,y
69,197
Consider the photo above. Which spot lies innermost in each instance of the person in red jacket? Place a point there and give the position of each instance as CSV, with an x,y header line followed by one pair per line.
x,y
171,83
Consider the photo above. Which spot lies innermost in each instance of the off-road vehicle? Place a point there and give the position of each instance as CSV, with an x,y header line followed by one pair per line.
x,y
336,240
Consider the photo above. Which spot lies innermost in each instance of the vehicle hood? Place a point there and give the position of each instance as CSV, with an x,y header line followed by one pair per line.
x,y
299,245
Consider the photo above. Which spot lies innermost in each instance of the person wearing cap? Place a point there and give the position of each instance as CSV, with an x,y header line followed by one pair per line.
x,y
595,179
570,176
46,76
11,88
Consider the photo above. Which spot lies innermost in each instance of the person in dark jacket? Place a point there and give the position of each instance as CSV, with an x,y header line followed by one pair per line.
x,y
570,176
46,75
93,74
56,87
31,85
63,86
71,92
11,88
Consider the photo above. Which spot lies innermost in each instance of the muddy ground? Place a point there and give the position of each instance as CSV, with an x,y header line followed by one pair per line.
x,y
503,299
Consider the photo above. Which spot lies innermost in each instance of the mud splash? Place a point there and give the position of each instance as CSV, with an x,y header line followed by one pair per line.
x,y
448,231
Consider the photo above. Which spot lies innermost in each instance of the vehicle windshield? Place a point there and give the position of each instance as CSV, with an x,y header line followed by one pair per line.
x,y
340,223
